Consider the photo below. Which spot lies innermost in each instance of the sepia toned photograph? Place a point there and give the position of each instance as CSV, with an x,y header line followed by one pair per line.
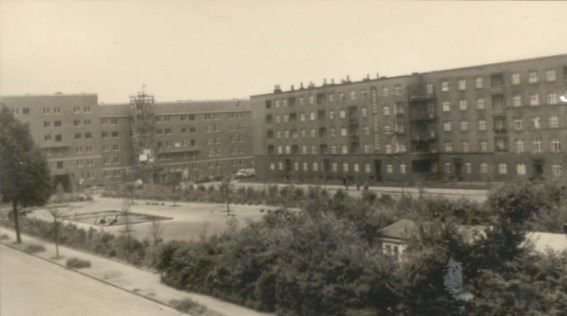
x,y
283,158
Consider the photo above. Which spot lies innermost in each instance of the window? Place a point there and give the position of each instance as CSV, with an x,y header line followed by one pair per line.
x,y
521,169
446,106
60,165
445,86
57,123
482,125
463,105
552,99
462,84
550,75
448,168
352,95
311,99
331,115
532,77
556,169
483,145
502,168
343,132
58,138
468,168
517,100
429,88
367,168
47,137
464,126
364,112
515,78
344,149
534,99
389,168
46,124
388,148
312,116
537,145
88,135
342,114
448,146
466,147
479,83
555,145
484,168
518,123
520,146
480,105
447,126
403,168
536,122
554,122
115,134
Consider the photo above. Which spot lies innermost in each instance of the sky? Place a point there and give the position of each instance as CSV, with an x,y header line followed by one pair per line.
x,y
196,50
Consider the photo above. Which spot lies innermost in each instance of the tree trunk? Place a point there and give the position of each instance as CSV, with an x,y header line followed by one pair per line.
x,y
16,220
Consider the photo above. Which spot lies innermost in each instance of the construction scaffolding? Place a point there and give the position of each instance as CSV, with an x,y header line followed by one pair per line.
x,y
142,130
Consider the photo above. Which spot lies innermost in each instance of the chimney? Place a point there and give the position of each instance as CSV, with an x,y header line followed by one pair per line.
x,y
325,81
277,89
348,78
311,85
332,80
292,88
377,75
301,86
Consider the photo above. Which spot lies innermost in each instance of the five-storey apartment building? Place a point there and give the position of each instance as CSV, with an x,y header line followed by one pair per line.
x,y
484,123
88,144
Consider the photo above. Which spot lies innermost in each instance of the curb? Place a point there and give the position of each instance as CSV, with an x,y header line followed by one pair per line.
x,y
96,279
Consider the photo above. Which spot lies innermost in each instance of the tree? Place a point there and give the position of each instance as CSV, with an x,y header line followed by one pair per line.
x,y
56,215
24,175
225,189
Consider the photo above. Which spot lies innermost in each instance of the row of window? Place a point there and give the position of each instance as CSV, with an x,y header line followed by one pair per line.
x,y
313,116
110,147
84,149
115,160
109,134
22,111
520,146
109,120
498,80
402,168
321,132
230,151
86,135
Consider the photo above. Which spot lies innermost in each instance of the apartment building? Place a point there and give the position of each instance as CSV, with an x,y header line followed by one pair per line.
x,y
495,122
87,143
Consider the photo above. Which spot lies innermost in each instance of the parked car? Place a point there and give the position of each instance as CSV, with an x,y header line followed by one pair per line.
x,y
246,173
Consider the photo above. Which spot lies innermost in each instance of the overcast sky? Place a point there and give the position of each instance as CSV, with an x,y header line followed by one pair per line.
x,y
233,49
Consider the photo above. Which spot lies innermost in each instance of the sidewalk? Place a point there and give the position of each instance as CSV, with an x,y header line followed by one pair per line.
x,y
137,281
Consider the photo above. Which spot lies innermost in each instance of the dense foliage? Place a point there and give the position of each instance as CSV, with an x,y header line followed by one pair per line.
x,y
325,259
24,175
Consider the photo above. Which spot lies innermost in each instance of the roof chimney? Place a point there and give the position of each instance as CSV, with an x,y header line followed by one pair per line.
x,y
348,78
292,88
301,86
277,89
325,81
332,80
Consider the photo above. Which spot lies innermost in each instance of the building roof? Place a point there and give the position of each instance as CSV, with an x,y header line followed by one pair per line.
x,y
404,229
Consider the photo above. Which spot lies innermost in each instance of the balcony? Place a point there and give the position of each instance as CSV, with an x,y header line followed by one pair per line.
x,y
55,144
422,115
168,150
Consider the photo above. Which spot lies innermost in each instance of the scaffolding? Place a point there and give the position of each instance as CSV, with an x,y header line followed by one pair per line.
x,y
142,130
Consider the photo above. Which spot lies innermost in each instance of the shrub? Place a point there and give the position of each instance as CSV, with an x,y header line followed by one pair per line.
x,y
189,306
34,248
4,237
77,263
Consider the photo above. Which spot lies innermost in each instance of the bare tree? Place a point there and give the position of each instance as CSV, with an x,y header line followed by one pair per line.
x,y
156,232
56,215
225,188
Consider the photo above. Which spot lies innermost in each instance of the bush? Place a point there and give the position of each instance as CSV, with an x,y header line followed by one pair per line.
x,y
77,263
4,237
34,248
189,306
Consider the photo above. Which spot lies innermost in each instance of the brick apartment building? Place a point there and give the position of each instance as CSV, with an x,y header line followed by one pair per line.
x,y
493,122
90,144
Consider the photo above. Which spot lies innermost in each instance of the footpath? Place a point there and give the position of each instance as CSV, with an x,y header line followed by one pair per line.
x,y
144,283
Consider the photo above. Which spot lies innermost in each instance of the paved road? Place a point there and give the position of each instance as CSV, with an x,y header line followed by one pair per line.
x,y
30,286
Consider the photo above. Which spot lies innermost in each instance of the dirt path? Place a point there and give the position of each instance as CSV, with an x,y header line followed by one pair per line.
x,y
138,281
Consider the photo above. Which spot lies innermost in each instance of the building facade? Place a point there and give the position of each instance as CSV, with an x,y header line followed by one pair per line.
x,y
493,122
91,144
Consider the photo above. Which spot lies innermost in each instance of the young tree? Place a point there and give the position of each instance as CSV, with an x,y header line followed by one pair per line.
x,y
56,215
24,175
225,189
